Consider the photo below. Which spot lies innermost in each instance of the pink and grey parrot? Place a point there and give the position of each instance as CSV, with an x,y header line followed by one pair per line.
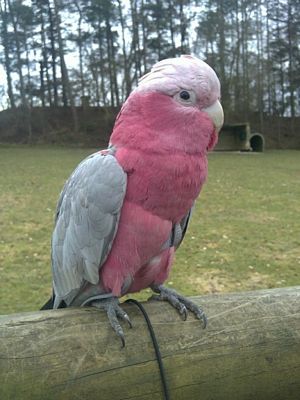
x,y
124,210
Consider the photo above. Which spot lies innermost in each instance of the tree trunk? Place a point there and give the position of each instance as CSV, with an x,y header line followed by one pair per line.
x,y
44,63
124,53
80,48
135,41
144,36
245,75
110,61
171,9
7,65
222,55
291,71
184,48
42,84
67,90
237,84
27,50
53,54
101,66
18,54
269,73
259,56
281,66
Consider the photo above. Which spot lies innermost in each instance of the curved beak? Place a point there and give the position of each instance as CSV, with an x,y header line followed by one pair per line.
x,y
215,111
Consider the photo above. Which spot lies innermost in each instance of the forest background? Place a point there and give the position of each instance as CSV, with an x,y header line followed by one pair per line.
x,y
69,65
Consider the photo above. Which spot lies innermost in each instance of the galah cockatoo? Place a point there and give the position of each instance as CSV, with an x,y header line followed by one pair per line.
x,y
124,210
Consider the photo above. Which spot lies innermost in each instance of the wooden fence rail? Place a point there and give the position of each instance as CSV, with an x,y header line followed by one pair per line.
x,y
249,350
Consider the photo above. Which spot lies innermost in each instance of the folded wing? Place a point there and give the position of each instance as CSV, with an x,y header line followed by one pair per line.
x,y
86,223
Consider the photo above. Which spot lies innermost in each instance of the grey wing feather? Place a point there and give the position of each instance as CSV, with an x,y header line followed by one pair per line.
x,y
86,223
181,228
178,232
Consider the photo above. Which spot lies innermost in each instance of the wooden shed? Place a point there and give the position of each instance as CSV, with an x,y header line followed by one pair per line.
x,y
238,137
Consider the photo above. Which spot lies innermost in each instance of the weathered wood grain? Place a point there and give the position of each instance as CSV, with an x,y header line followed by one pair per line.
x,y
250,350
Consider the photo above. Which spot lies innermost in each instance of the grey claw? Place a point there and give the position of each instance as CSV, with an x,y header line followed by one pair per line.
x,y
114,311
123,341
183,312
125,316
200,315
181,303
204,320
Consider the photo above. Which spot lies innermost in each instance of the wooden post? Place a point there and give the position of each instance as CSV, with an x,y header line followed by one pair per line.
x,y
249,350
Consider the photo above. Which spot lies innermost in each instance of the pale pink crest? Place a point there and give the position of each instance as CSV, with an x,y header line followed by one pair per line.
x,y
186,72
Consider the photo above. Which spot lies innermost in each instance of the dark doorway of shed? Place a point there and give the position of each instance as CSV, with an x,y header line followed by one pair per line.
x,y
257,143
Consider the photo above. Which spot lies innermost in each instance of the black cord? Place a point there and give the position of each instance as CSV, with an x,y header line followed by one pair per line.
x,y
156,347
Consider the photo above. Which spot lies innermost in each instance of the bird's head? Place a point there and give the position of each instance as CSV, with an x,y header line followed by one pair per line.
x,y
180,95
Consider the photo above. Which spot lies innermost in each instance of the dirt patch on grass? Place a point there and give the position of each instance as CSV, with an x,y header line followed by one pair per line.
x,y
216,281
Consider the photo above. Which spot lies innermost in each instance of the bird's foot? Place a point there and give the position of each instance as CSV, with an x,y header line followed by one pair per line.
x,y
181,303
112,307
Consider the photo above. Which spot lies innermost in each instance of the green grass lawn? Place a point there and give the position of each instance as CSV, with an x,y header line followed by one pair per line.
x,y
244,234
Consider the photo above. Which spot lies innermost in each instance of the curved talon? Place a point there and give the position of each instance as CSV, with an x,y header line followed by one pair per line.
x,y
201,315
114,311
123,341
181,303
113,319
183,311
127,319
204,320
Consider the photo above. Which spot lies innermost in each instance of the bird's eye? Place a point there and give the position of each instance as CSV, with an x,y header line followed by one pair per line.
x,y
184,95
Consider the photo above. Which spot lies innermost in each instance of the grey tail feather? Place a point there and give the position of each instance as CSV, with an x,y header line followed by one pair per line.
x,y
50,303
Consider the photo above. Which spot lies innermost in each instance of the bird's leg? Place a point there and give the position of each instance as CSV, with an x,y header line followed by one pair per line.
x,y
181,303
114,311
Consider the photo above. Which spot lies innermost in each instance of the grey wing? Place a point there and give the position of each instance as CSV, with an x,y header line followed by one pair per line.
x,y
86,223
180,228
178,232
